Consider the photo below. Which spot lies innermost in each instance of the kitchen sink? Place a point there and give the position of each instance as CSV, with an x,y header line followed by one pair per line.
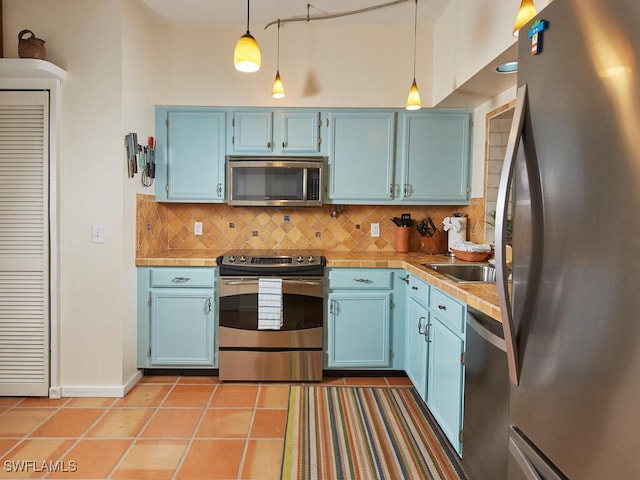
x,y
465,272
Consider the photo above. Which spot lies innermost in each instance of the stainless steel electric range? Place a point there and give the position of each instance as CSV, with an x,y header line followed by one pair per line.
x,y
291,351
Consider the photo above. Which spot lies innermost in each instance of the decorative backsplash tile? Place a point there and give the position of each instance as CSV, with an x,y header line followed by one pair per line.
x,y
169,226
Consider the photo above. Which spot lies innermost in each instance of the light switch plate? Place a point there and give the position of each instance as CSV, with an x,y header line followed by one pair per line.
x,y
375,230
197,228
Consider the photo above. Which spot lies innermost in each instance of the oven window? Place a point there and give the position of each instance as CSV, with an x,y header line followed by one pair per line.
x,y
299,311
268,183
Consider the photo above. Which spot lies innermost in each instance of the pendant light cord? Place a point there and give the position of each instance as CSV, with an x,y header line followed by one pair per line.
x,y
415,39
248,6
278,57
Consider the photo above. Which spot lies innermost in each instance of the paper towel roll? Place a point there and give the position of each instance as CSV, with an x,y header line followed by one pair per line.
x,y
460,235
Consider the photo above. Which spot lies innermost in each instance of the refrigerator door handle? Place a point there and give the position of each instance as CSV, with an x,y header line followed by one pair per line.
x,y
504,189
531,463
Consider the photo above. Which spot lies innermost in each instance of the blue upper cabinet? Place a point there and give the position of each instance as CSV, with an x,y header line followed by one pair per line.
x,y
252,132
300,132
265,132
435,154
190,155
361,156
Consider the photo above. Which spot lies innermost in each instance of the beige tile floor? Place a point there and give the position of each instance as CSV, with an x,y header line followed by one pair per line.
x,y
165,428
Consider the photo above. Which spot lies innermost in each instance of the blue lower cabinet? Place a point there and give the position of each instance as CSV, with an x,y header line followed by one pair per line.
x,y
358,330
434,349
365,320
177,317
182,327
446,380
415,362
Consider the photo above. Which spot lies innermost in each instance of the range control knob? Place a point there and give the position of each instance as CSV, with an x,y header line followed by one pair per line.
x,y
300,259
232,258
243,259
311,258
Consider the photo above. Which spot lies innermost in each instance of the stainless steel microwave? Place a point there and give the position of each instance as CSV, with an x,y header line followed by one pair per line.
x,y
275,181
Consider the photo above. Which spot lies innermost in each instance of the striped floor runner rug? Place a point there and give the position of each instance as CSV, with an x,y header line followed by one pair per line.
x,y
364,433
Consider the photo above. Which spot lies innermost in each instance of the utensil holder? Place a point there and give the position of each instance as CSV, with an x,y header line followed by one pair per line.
x,y
402,239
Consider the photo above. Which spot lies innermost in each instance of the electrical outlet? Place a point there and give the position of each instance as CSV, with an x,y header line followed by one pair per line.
x,y
375,230
97,233
197,228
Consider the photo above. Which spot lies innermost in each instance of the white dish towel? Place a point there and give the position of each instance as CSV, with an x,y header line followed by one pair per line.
x,y
269,303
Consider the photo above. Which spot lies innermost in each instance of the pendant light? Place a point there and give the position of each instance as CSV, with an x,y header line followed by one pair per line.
x,y
246,55
526,12
278,88
413,100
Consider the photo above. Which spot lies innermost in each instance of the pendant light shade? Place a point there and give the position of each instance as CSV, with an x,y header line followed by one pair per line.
x,y
526,12
246,55
278,88
413,100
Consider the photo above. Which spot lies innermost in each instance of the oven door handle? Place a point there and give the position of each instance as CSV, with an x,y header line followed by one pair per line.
x,y
314,283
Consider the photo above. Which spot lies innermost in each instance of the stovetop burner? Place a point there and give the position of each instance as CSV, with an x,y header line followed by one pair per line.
x,y
259,264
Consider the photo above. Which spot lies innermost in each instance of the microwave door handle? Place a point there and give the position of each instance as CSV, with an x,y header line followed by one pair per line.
x,y
506,308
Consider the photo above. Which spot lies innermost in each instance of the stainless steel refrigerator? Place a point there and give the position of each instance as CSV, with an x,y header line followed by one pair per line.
x,y
571,314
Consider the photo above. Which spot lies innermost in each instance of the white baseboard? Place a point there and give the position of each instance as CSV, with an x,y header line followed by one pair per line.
x,y
55,392
135,378
100,391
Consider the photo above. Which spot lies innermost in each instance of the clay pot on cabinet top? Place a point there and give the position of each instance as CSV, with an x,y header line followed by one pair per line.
x,y
30,47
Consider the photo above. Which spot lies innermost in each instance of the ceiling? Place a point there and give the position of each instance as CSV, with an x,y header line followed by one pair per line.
x,y
231,12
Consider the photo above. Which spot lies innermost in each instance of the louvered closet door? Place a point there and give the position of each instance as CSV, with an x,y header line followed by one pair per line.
x,y
24,243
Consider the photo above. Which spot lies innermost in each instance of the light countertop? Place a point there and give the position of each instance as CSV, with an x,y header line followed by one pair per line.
x,y
482,296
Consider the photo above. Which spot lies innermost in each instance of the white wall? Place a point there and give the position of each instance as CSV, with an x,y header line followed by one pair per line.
x,y
479,137
469,35
96,284
320,65
137,116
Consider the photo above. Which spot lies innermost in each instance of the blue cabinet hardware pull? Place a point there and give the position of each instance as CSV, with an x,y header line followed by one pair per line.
x,y
181,279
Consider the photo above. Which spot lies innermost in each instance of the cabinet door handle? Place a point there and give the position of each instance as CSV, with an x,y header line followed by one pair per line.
x,y
269,145
209,305
442,307
333,307
414,288
406,190
426,332
285,145
405,279
362,280
420,331
181,279
391,190
219,190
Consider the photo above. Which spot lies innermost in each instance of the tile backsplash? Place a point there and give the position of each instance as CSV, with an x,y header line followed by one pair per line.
x,y
170,226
